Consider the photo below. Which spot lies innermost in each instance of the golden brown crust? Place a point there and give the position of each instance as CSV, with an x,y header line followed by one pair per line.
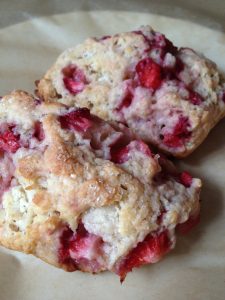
x,y
109,67
60,180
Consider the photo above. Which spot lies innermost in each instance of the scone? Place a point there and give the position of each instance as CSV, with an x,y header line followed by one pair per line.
x,y
170,97
84,194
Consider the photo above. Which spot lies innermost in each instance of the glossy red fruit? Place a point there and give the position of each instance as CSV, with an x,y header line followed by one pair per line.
x,y
9,141
179,135
63,253
160,41
187,226
39,131
195,98
149,73
186,179
120,155
79,248
141,146
126,101
149,251
170,47
79,120
74,79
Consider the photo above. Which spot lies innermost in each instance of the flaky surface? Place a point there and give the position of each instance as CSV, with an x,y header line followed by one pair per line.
x,y
173,106
64,179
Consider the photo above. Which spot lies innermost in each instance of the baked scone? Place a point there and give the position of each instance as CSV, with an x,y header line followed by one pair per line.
x,y
84,194
170,97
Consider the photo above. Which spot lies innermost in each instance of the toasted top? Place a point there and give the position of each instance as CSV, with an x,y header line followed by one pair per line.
x,y
61,167
170,97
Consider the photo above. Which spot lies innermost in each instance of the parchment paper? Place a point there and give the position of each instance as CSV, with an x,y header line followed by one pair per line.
x,y
196,268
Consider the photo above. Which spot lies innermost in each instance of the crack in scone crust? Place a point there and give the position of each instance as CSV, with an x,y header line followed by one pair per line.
x,y
170,97
82,193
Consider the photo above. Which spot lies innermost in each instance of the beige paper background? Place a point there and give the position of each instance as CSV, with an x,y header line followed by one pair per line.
x,y
196,268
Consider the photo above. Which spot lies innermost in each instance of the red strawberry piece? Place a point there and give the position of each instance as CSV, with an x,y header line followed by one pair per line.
x,y
186,179
142,147
187,226
79,120
39,131
74,79
85,245
172,140
150,250
179,66
126,101
119,155
9,141
79,248
149,73
170,47
172,73
63,253
181,126
179,135
161,41
195,98
162,45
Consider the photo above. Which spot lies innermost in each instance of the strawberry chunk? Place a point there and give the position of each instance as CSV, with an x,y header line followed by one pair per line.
x,y
179,66
195,98
9,141
141,146
79,120
179,135
186,179
63,253
187,226
85,245
39,131
150,250
126,101
74,79
172,140
169,47
160,41
120,155
149,73
80,249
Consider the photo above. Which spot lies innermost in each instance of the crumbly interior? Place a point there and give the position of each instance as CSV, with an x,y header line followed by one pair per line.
x,y
55,177
107,76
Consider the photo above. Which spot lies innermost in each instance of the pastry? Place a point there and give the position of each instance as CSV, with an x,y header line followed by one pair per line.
x,y
84,194
170,97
